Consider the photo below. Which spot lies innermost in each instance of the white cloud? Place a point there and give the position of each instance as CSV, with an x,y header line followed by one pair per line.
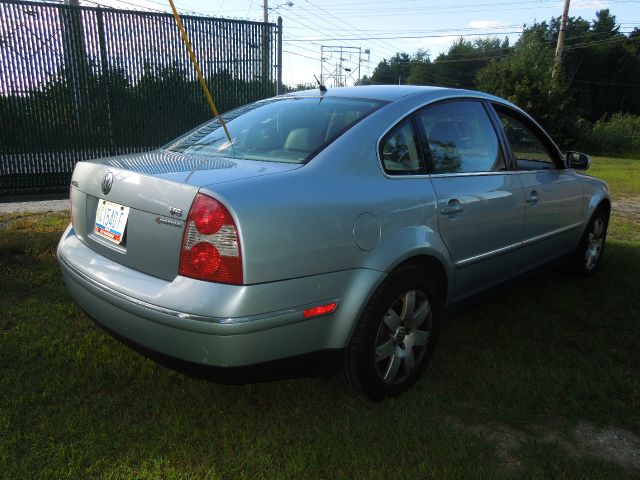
x,y
592,5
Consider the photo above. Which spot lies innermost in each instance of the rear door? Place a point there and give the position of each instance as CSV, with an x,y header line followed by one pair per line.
x,y
553,193
480,202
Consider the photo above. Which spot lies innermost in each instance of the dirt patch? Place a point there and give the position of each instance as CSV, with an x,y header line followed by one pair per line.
x,y
613,444
610,444
506,441
626,206
35,206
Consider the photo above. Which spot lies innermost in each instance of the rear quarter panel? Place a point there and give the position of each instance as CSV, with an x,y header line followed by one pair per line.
x,y
301,223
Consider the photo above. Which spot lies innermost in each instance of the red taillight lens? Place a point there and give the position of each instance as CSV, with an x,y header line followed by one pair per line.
x,y
211,245
208,216
205,258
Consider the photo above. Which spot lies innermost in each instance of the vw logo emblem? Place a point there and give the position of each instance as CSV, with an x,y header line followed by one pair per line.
x,y
107,182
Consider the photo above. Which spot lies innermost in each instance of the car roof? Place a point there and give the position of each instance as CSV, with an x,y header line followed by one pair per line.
x,y
383,92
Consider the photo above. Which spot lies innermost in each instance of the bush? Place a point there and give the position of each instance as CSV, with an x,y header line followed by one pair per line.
x,y
619,135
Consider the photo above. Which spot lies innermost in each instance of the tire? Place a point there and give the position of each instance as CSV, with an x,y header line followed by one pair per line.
x,y
589,253
395,336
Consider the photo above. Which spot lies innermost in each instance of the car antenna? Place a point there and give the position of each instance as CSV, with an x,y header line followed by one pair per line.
x,y
203,83
321,86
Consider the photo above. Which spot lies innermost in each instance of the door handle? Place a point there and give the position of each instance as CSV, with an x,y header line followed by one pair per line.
x,y
533,198
453,207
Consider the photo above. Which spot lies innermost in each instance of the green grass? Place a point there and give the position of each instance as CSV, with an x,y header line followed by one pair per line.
x,y
533,364
623,175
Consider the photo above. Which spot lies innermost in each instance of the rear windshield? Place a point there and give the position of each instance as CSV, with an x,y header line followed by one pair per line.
x,y
285,129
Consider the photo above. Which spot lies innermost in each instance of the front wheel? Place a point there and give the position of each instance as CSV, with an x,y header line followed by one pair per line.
x,y
591,248
395,336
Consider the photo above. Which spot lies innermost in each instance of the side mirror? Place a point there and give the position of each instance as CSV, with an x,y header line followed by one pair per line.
x,y
577,160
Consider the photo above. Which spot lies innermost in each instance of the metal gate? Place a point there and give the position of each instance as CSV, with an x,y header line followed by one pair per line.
x,y
83,82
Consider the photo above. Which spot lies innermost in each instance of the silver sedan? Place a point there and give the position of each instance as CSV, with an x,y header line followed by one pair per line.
x,y
328,231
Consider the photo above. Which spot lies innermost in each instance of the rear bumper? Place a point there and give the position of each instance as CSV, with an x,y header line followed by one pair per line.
x,y
190,324
323,363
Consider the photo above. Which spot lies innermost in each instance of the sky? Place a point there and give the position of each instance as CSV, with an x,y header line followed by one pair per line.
x,y
383,27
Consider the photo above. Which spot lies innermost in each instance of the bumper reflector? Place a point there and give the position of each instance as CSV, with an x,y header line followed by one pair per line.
x,y
320,310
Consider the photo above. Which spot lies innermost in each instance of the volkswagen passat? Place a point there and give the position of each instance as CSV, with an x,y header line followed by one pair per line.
x,y
332,231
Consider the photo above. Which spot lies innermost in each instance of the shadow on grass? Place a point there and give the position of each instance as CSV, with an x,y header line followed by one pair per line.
x,y
556,350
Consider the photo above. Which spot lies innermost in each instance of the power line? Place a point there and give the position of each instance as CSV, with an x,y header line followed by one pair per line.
x,y
384,45
411,36
393,31
431,12
316,28
576,46
300,55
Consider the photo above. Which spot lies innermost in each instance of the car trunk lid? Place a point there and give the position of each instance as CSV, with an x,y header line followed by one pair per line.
x,y
157,188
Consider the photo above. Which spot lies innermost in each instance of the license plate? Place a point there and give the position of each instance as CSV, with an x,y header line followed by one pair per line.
x,y
111,220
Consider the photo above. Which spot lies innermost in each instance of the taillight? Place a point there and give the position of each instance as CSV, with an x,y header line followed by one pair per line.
x,y
211,246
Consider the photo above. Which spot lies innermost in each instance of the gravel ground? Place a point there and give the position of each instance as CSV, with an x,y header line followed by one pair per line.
x,y
35,206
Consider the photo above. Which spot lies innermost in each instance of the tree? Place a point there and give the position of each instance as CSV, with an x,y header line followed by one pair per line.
x,y
459,66
363,81
601,68
524,78
604,26
393,71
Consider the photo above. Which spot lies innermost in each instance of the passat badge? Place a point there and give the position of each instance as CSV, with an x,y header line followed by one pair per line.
x,y
169,221
107,183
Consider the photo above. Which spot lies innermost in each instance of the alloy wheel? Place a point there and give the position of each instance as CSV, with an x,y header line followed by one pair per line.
x,y
595,240
403,336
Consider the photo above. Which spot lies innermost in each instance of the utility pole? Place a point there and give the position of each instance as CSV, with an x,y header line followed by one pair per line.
x,y
560,46
265,43
279,54
341,74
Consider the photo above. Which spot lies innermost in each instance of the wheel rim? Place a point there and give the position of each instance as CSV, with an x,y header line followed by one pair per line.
x,y
595,240
403,337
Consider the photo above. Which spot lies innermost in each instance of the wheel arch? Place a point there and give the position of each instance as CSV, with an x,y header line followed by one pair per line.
x,y
596,203
431,265
604,204
358,367
423,261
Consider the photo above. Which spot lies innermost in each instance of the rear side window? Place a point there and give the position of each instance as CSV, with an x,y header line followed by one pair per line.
x,y
460,138
399,150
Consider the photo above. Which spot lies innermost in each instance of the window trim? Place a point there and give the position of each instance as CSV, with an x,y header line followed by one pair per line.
x,y
536,130
421,157
509,158
427,163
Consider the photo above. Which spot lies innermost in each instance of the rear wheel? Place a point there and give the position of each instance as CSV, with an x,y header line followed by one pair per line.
x,y
395,336
591,248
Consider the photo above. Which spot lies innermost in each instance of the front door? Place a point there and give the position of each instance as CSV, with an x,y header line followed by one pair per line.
x,y
552,193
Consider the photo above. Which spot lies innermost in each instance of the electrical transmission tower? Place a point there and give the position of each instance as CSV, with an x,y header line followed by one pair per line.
x,y
339,64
